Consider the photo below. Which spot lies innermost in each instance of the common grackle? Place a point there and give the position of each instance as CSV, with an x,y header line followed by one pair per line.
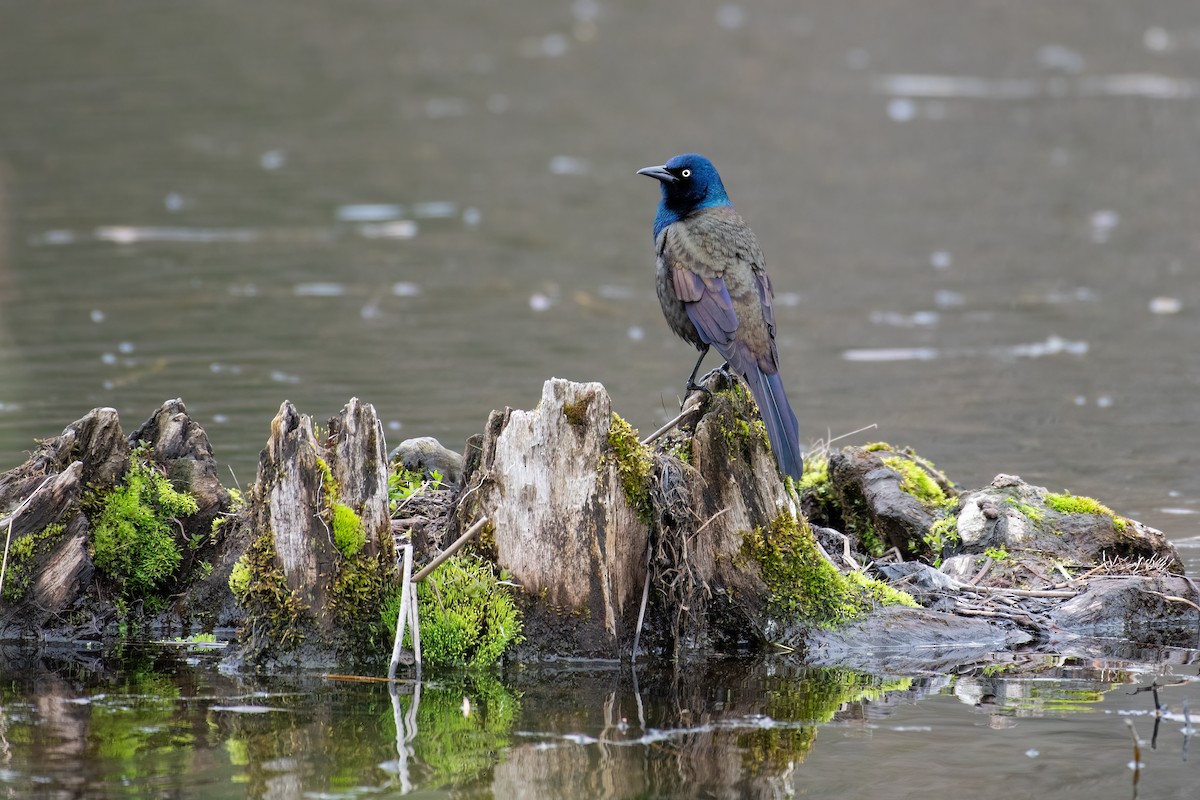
x,y
713,286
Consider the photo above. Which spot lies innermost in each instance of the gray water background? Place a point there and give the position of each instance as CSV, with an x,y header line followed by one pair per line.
x,y
980,218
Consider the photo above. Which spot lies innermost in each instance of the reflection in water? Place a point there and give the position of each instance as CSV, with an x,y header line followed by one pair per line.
x,y
93,724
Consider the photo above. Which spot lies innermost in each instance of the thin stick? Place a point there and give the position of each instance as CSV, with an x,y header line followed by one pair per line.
x,y
416,626
1171,597
688,408
1026,592
637,634
451,550
402,617
13,519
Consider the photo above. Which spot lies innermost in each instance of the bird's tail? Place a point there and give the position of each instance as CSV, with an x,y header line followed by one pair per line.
x,y
777,415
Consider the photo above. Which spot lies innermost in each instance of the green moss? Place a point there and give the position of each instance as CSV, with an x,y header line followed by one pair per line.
x,y
746,425
348,534
915,480
816,474
875,447
359,591
803,585
275,613
942,533
1068,503
634,466
19,574
239,576
467,615
133,530
996,554
1032,512
576,413
878,592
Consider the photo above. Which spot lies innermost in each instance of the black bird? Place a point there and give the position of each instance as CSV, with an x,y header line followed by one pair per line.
x,y
714,290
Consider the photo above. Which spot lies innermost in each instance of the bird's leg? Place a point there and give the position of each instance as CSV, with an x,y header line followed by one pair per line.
x,y
692,386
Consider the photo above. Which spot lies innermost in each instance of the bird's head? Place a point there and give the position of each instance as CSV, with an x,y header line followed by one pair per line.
x,y
689,181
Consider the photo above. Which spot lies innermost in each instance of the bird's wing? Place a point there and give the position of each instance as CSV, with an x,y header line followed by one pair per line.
x,y
717,272
707,302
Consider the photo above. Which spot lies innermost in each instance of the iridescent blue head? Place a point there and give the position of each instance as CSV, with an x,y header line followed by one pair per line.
x,y
689,182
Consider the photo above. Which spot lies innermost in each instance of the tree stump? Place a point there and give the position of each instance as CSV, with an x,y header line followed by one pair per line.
x,y
563,524
321,554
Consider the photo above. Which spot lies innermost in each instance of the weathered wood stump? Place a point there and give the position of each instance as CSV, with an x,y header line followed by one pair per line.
x,y
589,524
581,510
563,524
52,587
320,554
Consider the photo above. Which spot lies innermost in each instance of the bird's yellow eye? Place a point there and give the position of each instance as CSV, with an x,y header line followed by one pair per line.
x,y
687,173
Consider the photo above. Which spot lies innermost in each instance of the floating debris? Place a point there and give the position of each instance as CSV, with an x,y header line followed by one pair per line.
x,y
901,110
405,289
445,107
436,209
1103,222
1053,345
731,16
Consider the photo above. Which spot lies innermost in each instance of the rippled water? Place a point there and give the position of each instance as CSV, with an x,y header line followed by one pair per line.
x,y
161,721
979,220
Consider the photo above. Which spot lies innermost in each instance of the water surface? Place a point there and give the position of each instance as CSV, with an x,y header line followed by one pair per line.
x,y
980,223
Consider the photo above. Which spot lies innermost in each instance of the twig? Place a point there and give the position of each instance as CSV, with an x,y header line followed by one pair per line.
x,y
1026,592
11,520
688,409
982,571
1173,598
402,617
451,550
637,634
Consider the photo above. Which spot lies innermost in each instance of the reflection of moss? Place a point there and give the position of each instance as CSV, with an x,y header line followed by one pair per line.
x,y
813,698
467,616
802,584
460,740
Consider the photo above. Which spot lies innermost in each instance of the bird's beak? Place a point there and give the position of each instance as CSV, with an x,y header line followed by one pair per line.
x,y
658,173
